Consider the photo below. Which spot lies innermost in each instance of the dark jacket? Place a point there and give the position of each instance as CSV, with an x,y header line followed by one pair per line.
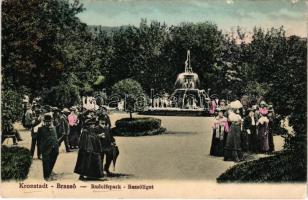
x,y
106,139
47,137
63,127
106,118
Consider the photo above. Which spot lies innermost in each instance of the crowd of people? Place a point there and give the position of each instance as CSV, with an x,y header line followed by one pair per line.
x,y
239,129
89,131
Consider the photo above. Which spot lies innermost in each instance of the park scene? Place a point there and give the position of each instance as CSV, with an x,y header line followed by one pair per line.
x,y
156,100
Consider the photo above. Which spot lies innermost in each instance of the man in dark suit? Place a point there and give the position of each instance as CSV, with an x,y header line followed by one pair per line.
x,y
36,123
63,129
48,141
108,143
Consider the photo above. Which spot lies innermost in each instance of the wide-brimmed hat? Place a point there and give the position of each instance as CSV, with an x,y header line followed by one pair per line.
x,y
55,109
65,110
250,109
47,118
222,100
73,108
263,103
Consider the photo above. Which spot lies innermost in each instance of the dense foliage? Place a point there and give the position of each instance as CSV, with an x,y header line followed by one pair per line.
x,y
138,127
15,163
284,167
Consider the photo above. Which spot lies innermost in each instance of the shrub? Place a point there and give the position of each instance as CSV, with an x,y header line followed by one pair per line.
x,y
132,92
15,163
138,127
284,167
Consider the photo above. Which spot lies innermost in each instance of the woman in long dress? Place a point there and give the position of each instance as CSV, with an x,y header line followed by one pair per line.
x,y
233,150
250,126
89,164
220,130
263,133
271,118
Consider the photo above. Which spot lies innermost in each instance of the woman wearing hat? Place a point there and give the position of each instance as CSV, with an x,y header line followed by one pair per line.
x,y
89,164
233,150
73,123
220,130
263,107
263,132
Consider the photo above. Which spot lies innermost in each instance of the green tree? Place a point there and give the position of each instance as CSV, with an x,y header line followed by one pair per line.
x,y
132,92
33,39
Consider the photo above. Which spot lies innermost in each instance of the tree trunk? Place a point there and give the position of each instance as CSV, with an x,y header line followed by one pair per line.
x,y
131,115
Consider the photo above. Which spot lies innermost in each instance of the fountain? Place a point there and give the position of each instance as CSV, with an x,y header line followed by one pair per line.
x,y
186,99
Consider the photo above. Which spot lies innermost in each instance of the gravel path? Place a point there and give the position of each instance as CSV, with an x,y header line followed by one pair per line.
x,y
182,154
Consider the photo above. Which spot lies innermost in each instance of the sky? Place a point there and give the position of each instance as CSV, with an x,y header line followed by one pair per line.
x,y
227,14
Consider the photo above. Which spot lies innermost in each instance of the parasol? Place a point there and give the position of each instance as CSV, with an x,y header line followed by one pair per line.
x,y
115,154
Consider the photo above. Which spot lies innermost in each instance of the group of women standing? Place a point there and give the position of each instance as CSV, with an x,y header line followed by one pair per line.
x,y
239,130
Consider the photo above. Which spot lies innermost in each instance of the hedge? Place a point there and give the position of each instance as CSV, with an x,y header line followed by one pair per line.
x,y
15,163
286,166
138,124
138,127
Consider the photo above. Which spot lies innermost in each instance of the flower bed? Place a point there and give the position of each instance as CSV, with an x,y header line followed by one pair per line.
x,y
138,127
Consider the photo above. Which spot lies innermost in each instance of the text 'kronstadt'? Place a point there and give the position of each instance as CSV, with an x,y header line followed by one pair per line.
x,y
36,186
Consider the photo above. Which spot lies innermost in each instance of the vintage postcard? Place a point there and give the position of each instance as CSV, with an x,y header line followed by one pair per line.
x,y
154,99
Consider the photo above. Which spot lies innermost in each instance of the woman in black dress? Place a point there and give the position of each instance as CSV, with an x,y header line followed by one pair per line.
x,y
89,164
220,130
250,126
233,150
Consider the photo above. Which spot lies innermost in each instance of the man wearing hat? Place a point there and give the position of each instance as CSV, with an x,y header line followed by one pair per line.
x,y
64,129
48,141
36,123
108,144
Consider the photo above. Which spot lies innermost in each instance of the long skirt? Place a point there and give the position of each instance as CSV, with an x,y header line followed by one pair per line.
x,y
233,150
73,136
253,140
89,162
217,146
244,141
263,138
271,140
